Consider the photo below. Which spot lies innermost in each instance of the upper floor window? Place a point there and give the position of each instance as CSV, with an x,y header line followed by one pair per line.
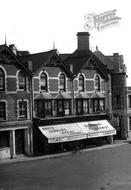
x,y
81,82
2,80
62,84
2,110
21,81
129,101
43,82
97,83
22,109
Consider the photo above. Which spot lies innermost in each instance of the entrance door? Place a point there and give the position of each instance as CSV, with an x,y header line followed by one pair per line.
x,y
19,141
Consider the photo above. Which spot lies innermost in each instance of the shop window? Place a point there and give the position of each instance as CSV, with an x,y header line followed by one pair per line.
x,y
129,101
85,106
97,83
130,123
48,108
62,83
95,105
81,82
79,107
67,107
102,104
2,80
2,110
21,81
43,82
22,109
4,139
60,108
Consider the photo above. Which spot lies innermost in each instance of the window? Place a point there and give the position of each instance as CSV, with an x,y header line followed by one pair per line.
x,y
4,139
102,105
43,82
62,86
85,106
79,107
67,107
81,82
95,105
97,83
129,123
22,109
129,101
98,105
2,110
2,80
21,81
48,108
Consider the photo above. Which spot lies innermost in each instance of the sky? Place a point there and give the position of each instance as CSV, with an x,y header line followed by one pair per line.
x,y
35,25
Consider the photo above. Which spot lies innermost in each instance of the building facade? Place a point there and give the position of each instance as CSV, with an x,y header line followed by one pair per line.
x,y
69,92
129,111
15,105
117,70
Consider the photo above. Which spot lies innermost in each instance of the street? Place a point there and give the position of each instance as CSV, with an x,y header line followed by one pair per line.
x,y
102,169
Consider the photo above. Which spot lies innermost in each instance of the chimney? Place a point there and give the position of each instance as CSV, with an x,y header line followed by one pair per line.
x,y
83,41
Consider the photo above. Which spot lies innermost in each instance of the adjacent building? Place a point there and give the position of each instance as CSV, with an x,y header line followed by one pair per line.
x,y
15,105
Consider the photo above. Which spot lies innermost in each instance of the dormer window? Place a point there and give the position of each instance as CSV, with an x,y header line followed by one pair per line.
x,y
43,82
2,80
97,83
62,83
22,81
81,82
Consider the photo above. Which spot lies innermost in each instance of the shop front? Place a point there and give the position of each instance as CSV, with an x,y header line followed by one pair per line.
x,y
70,136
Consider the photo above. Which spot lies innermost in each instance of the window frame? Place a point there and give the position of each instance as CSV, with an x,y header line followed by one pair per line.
x,y
4,110
81,80
44,83
21,81
97,83
62,82
23,116
2,80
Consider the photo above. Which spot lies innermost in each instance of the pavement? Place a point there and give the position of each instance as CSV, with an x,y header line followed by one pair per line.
x,y
23,158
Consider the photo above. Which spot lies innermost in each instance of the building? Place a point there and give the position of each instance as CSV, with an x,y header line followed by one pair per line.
x,y
71,99
15,105
117,70
129,111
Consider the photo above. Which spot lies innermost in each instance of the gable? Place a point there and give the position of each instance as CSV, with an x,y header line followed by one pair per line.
x,y
9,58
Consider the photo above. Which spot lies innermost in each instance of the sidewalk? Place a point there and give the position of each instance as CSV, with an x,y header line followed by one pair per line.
x,y
23,158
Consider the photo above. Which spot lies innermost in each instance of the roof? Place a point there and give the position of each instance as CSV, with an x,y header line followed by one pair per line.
x,y
42,59
97,95
81,95
63,95
79,58
37,59
44,96
14,57
64,56
104,59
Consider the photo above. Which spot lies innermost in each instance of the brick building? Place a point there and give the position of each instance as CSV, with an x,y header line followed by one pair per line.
x,y
129,111
117,70
15,105
71,98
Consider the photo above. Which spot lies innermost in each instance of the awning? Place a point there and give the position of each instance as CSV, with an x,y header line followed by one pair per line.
x,y
63,133
99,128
